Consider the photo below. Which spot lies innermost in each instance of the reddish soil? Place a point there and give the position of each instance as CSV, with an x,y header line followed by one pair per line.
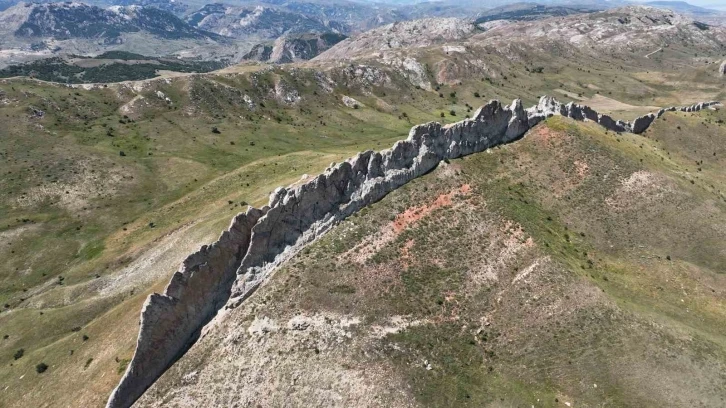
x,y
414,214
543,134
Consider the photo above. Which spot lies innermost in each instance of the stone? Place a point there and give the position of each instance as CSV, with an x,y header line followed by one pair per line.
x,y
722,68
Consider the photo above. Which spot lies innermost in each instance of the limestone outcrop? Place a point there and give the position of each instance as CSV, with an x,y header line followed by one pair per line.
x,y
257,241
172,321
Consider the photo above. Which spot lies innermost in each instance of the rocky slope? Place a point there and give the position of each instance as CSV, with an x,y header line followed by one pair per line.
x,y
530,11
257,22
401,36
703,14
627,29
289,48
260,240
628,36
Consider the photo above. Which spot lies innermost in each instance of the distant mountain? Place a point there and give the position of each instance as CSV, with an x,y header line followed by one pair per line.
x,y
35,31
531,11
681,7
258,22
705,15
294,48
62,21
638,30
356,15
178,8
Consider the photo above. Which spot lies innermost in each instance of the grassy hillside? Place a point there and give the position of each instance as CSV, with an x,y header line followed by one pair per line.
x,y
576,266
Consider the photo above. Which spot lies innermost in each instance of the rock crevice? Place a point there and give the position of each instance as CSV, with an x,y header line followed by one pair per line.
x,y
257,241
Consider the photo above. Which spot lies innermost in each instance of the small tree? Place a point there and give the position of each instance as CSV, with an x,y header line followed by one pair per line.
x,y
18,354
40,368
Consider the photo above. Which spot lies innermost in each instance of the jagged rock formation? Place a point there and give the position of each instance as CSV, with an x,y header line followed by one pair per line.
x,y
722,68
170,322
261,239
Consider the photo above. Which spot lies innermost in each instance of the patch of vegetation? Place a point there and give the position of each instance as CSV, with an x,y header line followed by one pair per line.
x,y
57,69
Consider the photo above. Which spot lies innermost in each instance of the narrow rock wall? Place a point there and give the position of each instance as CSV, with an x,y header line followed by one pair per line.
x,y
259,240
172,321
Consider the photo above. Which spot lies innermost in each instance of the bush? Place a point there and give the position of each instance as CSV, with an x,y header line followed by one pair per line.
x,y
18,354
452,113
476,95
40,368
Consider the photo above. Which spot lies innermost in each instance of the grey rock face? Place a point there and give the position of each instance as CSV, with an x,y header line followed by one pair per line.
x,y
169,322
229,270
643,122
722,68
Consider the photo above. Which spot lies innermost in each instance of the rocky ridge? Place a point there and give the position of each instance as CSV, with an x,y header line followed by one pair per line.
x,y
229,270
